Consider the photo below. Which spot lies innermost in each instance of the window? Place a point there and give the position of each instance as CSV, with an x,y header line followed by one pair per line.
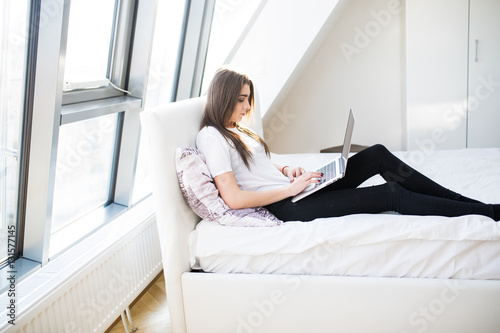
x,y
13,48
83,177
142,187
89,42
82,143
72,157
97,49
161,82
165,53
92,119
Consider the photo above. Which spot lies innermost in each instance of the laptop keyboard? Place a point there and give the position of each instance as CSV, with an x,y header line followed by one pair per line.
x,y
329,171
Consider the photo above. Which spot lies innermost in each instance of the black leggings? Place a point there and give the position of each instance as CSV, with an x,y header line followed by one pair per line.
x,y
407,192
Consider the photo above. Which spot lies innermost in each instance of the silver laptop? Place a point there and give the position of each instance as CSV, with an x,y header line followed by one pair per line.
x,y
334,170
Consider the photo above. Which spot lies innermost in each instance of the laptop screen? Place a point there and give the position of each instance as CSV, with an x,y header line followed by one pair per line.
x,y
348,135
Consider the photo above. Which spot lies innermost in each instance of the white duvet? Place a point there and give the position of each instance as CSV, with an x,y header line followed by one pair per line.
x,y
371,244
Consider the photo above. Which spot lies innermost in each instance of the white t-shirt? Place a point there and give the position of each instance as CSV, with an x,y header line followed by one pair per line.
x,y
221,157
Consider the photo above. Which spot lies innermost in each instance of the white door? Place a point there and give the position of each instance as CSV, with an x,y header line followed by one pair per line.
x,y
483,123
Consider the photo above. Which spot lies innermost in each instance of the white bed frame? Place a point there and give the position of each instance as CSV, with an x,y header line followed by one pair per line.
x,y
207,302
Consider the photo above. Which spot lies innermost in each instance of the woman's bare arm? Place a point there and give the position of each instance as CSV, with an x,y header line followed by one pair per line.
x,y
236,198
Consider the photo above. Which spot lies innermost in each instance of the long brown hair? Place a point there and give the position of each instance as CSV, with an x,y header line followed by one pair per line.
x,y
222,97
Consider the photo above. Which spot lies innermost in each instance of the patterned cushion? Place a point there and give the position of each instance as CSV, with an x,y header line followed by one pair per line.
x,y
198,188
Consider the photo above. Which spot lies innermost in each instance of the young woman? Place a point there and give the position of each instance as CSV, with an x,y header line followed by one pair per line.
x,y
239,162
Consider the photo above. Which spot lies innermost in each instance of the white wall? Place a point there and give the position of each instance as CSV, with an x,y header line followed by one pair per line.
x,y
285,33
360,64
437,73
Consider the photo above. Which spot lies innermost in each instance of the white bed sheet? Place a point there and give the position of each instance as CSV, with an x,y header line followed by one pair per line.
x,y
389,245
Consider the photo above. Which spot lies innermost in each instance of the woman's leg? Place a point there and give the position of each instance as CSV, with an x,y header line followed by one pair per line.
x,y
378,160
375,199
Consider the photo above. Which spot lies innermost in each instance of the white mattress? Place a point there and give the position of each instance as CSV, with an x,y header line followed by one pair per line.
x,y
388,244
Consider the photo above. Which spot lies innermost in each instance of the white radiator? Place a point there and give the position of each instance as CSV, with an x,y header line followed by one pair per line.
x,y
64,297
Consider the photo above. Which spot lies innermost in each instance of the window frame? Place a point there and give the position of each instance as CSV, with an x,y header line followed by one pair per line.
x,y
47,107
25,122
119,57
194,48
52,108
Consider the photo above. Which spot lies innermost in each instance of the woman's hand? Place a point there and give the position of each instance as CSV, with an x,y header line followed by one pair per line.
x,y
301,182
293,173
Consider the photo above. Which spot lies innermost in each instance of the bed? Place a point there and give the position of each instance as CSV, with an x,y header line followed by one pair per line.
x,y
359,273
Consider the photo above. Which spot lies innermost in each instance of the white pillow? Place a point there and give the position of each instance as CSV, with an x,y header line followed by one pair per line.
x,y
201,194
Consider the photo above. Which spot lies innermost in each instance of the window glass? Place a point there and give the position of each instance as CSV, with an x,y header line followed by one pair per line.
x,y
168,33
230,20
13,46
84,167
164,55
89,41
142,187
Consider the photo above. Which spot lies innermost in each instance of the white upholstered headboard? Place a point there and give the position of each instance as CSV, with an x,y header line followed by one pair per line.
x,y
168,127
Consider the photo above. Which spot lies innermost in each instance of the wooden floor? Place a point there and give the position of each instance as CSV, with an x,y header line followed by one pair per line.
x,y
149,311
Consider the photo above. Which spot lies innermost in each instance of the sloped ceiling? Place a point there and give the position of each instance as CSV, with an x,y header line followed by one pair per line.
x,y
281,41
